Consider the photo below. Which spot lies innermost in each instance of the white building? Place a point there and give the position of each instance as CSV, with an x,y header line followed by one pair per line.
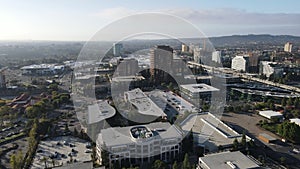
x,y
194,92
270,114
184,48
269,68
296,121
197,54
288,47
216,56
240,63
117,49
226,160
138,144
42,69
143,104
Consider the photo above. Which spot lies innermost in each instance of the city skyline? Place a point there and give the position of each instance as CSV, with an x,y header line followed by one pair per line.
x,y
80,20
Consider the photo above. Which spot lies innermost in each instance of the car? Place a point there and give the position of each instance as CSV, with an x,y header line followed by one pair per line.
x,y
72,145
88,151
39,151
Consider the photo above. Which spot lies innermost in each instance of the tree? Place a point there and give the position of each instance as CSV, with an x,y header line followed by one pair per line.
x,y
158,164
13,162
235,144
175,165
244,140
186,163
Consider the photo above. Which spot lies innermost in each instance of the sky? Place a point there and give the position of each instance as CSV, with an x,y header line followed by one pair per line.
x,y
79,20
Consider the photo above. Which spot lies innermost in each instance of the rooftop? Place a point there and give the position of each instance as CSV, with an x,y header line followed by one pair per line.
x,y
123,135
143,103
127,78
100,111
228,160
295,120
198,88
269,113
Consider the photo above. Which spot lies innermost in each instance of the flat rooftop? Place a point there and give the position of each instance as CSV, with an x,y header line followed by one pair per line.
x,y
199,88
228,160
143,103
100,111
208,130
118,136
269,113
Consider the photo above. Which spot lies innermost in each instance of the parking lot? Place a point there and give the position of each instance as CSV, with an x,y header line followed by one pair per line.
x,y
60,151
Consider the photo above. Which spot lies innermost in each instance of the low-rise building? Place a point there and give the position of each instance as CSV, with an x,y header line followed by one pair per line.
x,y
296,121
139,144
271,115
226,160
194,92
42,69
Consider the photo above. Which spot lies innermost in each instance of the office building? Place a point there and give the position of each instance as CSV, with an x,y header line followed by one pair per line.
x,y
288,47
216,56
139,144
117,49
196,92
127,67
240,63
271,115
226,160
161,61
270,68
197,54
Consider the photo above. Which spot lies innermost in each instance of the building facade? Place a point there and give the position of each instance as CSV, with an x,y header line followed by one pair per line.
x,y
2,79
117,49
270,68
216,56
240,63
288,47
139,144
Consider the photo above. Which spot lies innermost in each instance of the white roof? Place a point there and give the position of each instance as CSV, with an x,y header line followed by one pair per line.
x,y
228,160
100,111
295,120
269,113
143,103
199,88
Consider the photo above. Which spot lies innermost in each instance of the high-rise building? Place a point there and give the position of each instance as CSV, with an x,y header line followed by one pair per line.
x,y
270,68
2,79
288,47
240,63
117,49
184,48
216,56
197,54
161,61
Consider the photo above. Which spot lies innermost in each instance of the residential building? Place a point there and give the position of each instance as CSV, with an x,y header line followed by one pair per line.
x,y
139,144
240,63
117,49
226,160
288,47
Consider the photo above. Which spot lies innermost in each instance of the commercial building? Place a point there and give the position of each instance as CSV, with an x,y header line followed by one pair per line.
x,y
197,54
270,68
161,61
194,92
216,56
210,132
127,67
271,115
288,47
240,63
117,49
226,160
139,144
143,104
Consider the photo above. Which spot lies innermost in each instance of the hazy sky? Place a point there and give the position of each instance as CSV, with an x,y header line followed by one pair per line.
x,y
81,19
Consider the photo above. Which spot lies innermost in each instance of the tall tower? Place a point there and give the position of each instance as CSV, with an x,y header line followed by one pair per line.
x,y
288,47
117,49
161,58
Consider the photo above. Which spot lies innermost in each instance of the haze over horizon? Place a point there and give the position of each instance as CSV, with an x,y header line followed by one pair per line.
x,y
80,20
